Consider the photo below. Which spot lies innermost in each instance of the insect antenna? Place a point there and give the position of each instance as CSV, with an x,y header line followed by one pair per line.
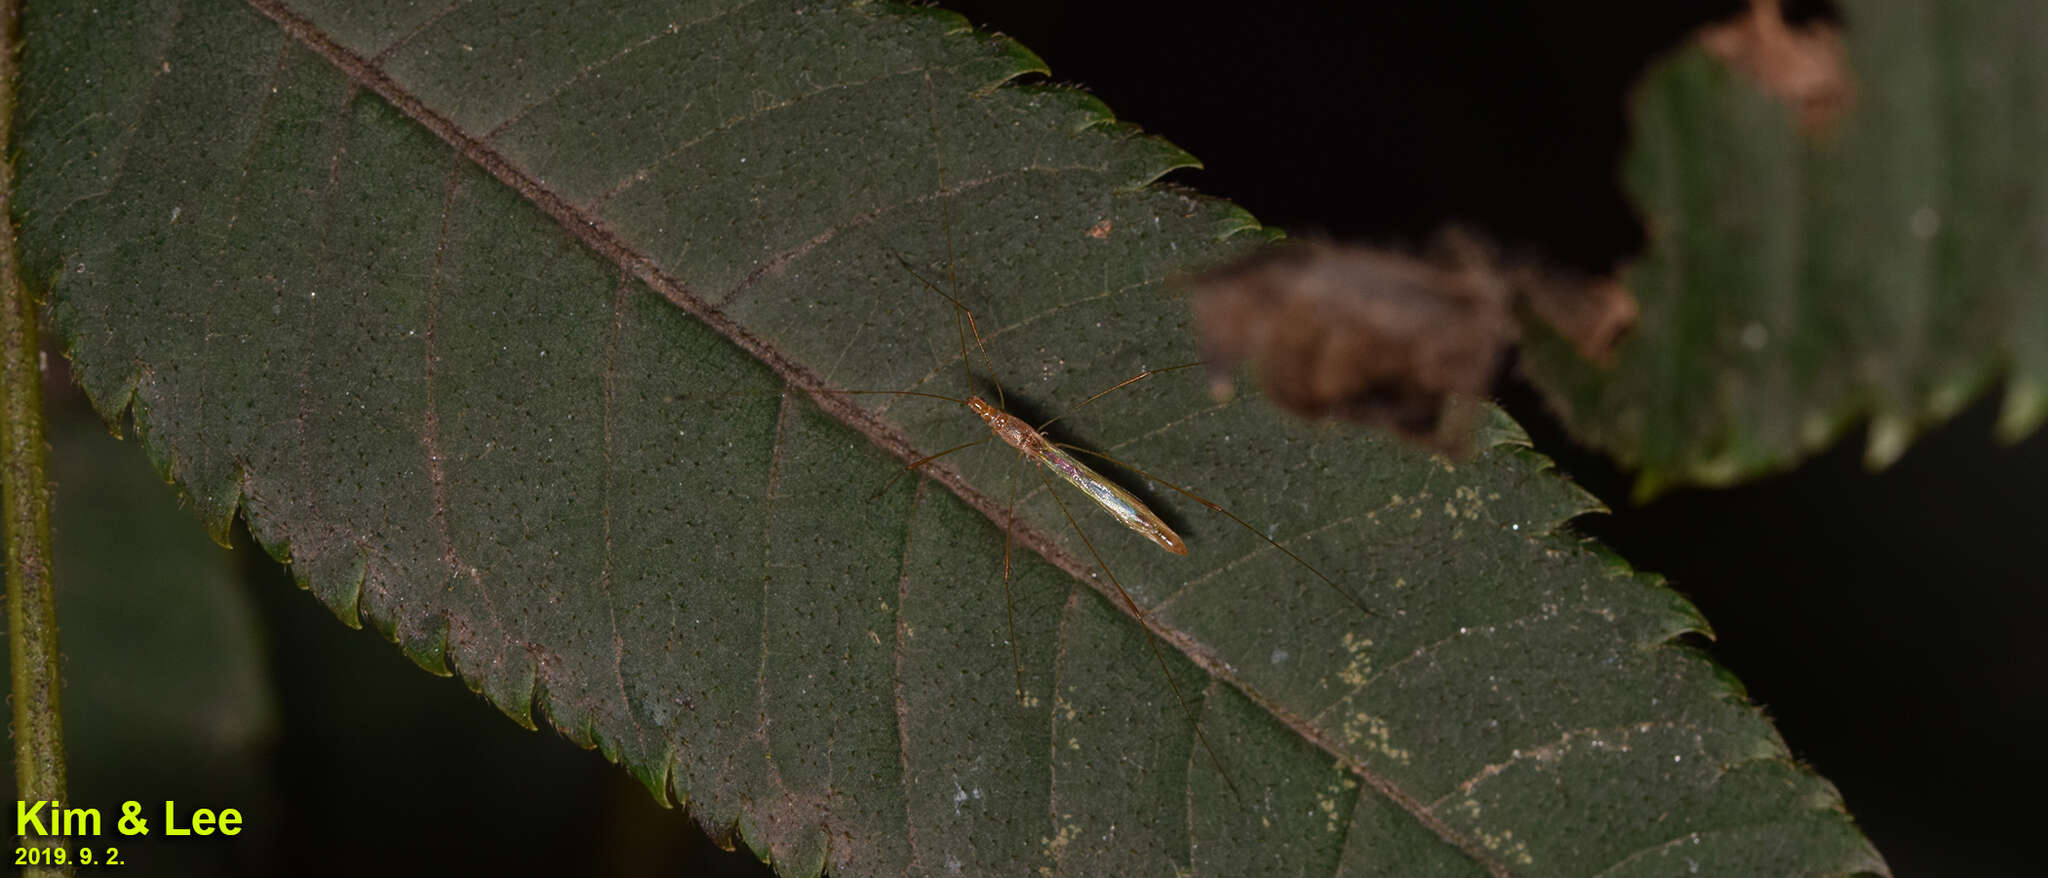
x,y
970,327
964,325
1113,388
952,273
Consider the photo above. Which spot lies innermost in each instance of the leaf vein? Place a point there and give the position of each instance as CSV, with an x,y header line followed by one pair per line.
x,y
1692,836
430,426
606,486
642,174
902,642
1428,648
123,148
774,264
1350,826
406,39
594,66
777,447
1557,748
1057,703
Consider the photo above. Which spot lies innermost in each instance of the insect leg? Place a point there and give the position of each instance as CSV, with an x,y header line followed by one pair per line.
x,y
915,464
1009,606
1151,639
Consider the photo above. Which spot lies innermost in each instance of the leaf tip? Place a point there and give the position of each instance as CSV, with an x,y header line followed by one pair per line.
x,y
1016,60
2024,408
427,646
1890,434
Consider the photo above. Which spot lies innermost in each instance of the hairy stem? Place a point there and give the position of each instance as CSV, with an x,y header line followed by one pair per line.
x,y
25,495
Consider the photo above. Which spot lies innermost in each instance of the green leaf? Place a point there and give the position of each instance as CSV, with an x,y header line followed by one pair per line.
x,y
508,326
1891,270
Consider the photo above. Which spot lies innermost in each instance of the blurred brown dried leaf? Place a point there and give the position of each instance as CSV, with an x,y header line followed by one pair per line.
x,y
1806,66
1384,337
1590,312
1355,333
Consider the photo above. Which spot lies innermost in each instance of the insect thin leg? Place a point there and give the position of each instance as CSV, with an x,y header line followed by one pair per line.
x,y
763,394
1151,639
1216,507
920,462
960,330
894,393
1009,605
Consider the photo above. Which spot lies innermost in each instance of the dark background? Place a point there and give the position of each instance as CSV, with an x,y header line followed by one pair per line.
x,y
1887,622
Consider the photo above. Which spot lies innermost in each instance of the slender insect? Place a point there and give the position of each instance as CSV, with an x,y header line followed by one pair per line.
x,y
1033,446
1035,449
1042,453
1127,509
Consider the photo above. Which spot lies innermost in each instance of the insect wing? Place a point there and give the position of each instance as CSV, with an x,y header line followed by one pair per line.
x,y
1116,501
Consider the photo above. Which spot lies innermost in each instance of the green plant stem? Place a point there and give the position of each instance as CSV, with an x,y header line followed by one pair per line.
x,y
25,495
